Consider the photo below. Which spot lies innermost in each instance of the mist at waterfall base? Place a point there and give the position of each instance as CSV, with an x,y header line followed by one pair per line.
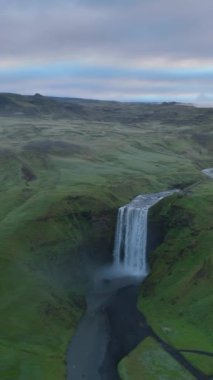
x,y
100,342
130,247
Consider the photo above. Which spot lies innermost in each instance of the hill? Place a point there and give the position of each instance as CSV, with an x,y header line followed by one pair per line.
x,y
66,165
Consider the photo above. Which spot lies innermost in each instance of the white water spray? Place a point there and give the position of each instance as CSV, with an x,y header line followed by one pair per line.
x,y
131,234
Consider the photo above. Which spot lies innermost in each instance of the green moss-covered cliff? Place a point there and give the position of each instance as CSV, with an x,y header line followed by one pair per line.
x,y
176,297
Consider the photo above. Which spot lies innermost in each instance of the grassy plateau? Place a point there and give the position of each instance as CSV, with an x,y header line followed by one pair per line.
x,y
66,165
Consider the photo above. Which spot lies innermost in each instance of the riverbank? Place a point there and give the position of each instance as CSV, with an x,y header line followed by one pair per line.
x,y
97,344
111,328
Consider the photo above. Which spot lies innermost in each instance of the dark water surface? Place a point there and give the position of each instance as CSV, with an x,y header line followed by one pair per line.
x,y
110,329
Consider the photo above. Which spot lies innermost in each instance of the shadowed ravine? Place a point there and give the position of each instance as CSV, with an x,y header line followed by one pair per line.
x,y
110,329
112,325
124,316
90,355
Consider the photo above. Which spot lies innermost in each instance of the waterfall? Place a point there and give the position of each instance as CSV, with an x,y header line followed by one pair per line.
x,y
131,234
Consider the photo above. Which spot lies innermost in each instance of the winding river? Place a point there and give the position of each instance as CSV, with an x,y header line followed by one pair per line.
x,y
112,326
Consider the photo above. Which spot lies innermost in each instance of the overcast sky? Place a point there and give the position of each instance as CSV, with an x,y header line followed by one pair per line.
x,y
143,50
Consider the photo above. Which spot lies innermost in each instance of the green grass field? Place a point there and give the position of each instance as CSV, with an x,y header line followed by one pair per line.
x,y
148,361
65,168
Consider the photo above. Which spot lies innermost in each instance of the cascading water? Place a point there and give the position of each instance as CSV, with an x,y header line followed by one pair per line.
x,y
131,234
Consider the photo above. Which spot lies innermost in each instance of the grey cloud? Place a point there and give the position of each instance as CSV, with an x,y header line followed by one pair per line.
x,y
103,33
138,28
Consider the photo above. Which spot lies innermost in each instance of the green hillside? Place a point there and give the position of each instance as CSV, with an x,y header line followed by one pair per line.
x,y
65,167
177,295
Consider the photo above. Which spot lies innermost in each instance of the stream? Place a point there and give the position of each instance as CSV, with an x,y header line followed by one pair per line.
x,y
94,350
110,329
112,325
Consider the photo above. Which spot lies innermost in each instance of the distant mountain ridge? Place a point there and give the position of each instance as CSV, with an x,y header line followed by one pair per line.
x,y
99,110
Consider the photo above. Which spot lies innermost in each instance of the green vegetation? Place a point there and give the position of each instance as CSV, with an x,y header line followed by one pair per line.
x,y
204,363
65,167
177,296
148,361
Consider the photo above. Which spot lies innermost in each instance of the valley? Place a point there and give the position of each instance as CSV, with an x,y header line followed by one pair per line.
x,y
66,166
